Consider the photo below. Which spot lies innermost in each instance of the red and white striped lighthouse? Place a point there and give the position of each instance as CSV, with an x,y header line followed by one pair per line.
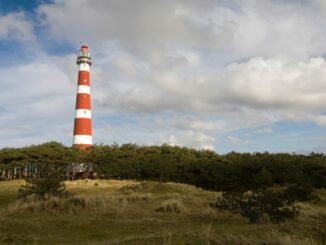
x,y
83,119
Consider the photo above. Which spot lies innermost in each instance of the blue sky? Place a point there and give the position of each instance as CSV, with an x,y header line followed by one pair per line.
x,y
232,75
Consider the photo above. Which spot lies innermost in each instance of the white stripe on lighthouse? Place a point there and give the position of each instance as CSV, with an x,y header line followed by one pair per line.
x,y
84,67
83,139
83,89
83,113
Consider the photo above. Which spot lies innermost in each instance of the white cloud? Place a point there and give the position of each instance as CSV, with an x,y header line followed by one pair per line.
x,y
193,123
150,72
279,83
37,104
223,29
15,26
152,57
183,71
237,141
190,139
320,120
141,27
260,90
264,131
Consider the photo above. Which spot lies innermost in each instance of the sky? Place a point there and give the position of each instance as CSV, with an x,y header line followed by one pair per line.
x,y
222,75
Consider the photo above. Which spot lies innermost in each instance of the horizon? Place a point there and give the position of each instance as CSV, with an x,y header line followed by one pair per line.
x,y
218,75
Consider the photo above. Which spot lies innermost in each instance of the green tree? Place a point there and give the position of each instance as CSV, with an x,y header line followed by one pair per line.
x,y
263,178
49,180
257,205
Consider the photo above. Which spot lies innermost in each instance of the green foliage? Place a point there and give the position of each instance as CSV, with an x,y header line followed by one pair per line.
x,y
263,178
299,192
206,169
258,206
48,181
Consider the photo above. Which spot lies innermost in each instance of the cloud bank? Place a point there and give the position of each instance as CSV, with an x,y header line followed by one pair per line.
x,y
179,72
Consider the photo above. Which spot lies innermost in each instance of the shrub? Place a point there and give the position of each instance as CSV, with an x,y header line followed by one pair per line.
x,y
299,192
258,206
48,181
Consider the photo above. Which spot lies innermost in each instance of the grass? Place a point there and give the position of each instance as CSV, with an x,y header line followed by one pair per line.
x,y
8,192
131,212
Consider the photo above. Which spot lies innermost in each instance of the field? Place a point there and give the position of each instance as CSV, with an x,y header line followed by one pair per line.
x,y
131,212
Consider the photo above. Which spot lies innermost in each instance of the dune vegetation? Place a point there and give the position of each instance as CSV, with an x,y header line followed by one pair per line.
x,y
145,212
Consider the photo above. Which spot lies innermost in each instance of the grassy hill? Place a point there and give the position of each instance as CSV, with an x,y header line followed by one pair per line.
x,y
131,212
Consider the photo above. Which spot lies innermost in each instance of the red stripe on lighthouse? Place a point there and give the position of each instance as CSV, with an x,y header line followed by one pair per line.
x,y
83,121
83,78
83,101
83,126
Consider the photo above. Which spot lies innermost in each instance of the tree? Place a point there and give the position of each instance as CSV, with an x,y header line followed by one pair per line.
x,y
258,205
263,178
298,192
49,180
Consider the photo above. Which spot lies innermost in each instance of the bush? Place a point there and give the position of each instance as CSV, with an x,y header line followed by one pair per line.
x,y
258,206
48,181
299,192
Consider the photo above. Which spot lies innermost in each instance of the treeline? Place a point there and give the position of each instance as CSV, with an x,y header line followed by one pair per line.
x,y
202,168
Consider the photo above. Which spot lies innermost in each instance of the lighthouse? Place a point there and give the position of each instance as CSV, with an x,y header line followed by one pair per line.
x,y
83,118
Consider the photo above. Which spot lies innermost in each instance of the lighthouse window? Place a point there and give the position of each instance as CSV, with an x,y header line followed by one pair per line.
x,y
85,112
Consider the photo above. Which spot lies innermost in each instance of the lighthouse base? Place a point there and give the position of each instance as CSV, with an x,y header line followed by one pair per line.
x,y
81,146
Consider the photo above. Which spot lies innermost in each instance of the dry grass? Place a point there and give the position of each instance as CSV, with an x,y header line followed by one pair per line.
x,y
73,204
275,238
58,205
84,185
136,197
131,212
171,206
210,237
131,188
310,210
207,233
